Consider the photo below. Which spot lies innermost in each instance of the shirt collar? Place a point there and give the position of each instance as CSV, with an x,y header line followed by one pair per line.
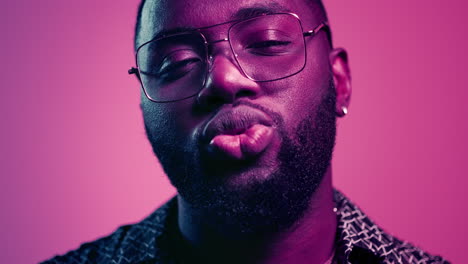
x,y
358,239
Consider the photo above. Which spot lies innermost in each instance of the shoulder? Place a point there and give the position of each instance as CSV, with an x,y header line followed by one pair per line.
x,y
404,252
360,240
128,244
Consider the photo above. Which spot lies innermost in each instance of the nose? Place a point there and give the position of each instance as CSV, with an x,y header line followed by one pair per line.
x,y
226,84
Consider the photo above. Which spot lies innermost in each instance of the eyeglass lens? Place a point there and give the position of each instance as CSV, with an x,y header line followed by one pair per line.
x,y
267,48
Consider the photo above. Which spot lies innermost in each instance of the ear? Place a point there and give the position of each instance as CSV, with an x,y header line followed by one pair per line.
x,y
342,80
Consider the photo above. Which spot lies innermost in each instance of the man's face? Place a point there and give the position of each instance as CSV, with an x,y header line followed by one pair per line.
x,y
252,153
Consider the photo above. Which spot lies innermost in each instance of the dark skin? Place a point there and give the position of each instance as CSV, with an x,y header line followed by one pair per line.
x,y
310,238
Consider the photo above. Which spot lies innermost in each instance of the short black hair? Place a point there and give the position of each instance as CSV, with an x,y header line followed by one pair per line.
x,y
312,3
138,23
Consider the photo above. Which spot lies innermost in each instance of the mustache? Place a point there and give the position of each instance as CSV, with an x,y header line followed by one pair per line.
x,y
275,117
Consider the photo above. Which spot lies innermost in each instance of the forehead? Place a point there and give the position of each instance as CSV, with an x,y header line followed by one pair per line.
x,y
167,15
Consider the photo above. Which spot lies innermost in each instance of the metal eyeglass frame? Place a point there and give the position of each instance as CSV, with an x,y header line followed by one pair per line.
x,y
136,70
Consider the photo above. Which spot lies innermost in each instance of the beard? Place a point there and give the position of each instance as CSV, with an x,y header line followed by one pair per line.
x,y
261,207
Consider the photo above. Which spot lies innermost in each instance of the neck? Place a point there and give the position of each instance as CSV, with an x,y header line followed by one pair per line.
x,y
309,240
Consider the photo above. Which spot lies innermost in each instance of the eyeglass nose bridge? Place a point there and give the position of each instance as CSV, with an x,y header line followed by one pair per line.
x,y
210,47
216,41
228,52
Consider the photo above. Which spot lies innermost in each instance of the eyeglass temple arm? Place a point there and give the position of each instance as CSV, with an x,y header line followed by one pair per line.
x,y
317,29
135,71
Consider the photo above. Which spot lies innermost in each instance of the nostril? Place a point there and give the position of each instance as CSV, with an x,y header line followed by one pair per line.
x,y
244,93
213,102
225,84
209,99
209,102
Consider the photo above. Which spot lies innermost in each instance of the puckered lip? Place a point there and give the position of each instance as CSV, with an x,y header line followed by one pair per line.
x,y
234,121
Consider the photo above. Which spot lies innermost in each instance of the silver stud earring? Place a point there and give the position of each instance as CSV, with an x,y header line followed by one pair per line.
x,y
344,110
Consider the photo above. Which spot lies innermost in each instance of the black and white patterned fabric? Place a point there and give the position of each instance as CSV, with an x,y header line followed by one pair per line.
x,y
358,240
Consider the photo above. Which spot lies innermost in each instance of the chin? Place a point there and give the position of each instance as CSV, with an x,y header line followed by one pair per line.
x,y
248,177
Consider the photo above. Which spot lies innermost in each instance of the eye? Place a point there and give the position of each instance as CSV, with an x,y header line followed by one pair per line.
x,y
269,47
176,70
178,64
261,41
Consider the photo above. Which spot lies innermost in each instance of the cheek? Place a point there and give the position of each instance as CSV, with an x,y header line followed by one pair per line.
x,y
312,83
157,121
171,120
299,98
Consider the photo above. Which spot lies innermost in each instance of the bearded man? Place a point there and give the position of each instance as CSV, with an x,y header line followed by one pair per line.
x,y
240,100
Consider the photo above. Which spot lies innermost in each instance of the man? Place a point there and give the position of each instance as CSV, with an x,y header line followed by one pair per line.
x,y
240,100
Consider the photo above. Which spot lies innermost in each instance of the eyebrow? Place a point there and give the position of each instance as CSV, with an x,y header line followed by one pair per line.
x,y
243,13
259,9
172,31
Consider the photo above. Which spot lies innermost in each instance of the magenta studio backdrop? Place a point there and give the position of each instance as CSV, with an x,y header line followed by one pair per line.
x,y
75,163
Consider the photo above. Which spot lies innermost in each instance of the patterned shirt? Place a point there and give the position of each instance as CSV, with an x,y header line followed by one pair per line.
x,y
358,240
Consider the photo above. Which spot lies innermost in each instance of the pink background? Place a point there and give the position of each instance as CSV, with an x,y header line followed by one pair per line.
x,y
75,163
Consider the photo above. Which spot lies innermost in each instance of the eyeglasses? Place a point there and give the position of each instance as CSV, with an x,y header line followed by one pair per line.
x,y
266,48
